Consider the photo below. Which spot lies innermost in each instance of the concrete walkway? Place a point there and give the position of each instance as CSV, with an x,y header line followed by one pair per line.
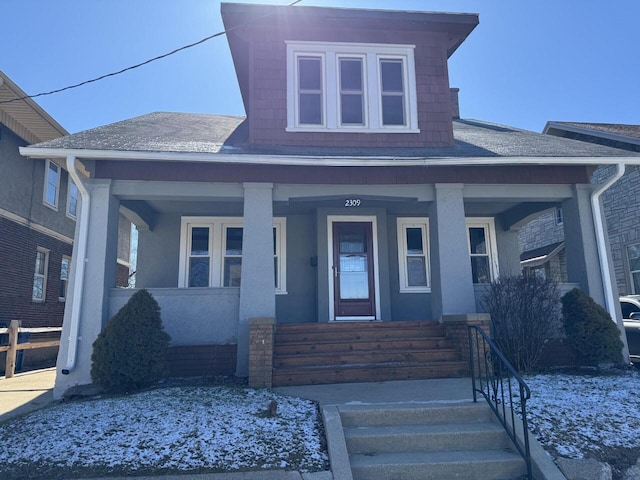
x,y
25,392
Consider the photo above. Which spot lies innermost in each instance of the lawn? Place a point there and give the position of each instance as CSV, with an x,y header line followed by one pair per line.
x,y
211,428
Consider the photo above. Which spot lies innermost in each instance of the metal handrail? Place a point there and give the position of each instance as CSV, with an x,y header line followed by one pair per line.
x,y
494,378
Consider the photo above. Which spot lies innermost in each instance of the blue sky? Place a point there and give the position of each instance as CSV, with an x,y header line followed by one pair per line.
x,y
527,62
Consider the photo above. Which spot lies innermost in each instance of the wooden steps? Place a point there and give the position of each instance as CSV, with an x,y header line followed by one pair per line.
x,y
319,353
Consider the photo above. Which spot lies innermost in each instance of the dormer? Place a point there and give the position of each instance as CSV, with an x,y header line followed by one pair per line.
x,y
314,76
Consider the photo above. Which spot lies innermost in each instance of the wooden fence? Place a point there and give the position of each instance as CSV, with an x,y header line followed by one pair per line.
x,y
13,346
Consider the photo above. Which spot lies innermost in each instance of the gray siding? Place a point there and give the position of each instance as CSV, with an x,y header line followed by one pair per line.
x,y
159,254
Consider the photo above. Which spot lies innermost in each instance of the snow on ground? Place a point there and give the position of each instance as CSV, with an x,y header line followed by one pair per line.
x,y
575,415
186,428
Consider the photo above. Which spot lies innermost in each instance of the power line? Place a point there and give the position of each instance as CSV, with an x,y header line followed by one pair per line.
x,y
146,62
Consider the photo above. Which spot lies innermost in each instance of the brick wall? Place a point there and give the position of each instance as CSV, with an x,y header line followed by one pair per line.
x,y
261,332
540,232
18,246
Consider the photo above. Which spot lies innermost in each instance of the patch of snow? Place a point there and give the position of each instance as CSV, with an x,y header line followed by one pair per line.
x,y
174,428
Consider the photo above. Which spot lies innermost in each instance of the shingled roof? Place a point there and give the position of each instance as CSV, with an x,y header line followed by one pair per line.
x,y
218,134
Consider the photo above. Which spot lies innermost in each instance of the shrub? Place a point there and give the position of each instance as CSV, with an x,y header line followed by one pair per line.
x,y
593,335
130,351
525,314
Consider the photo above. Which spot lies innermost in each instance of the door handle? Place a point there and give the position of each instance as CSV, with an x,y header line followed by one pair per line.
x,y
335,271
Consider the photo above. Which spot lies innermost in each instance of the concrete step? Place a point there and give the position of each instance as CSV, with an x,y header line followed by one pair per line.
x,y
440,465
417,438
414,414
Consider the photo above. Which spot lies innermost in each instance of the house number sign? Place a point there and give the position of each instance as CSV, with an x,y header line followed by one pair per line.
x,y
352,202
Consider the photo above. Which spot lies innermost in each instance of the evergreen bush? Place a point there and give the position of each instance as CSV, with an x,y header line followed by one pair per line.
x,y
593,335
130,351
525,314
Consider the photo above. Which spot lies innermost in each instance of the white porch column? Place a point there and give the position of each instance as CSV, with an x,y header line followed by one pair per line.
x,y
257,287
451,278
99,277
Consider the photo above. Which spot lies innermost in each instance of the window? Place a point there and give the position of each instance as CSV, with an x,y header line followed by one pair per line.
x,y
51,184
351,87
413,254
64,278
72,199
559,216
211,252
40,275
482,249
633,255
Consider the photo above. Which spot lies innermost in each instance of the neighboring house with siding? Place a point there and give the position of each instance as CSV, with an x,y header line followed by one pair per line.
x,y
39,205
38,209
351,199
542,240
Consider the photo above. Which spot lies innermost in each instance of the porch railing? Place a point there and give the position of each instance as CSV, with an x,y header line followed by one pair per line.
x,y
497,381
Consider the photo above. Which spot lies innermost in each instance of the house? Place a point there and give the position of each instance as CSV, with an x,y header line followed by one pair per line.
x,y
38,208
39,205
350,196
542,240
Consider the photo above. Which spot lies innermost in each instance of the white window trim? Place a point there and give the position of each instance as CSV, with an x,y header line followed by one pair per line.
x,y
69,214
628,269
488,223
558,216
402,224
44,276
66,291
53,206
371,53
217,227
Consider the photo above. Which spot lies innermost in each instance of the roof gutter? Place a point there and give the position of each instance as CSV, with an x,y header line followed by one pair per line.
x,y
80,254
598,221
323,161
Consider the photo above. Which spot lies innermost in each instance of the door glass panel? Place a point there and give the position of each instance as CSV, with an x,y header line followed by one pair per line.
x,y
354,268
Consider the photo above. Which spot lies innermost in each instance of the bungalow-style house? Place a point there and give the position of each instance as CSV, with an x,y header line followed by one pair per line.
x,y
542,240
38,208
351,199
39,205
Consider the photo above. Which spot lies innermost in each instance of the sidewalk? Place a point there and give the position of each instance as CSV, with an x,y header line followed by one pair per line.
x,y
26,392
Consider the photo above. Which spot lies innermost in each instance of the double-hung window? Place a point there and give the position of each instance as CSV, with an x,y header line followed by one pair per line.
x,y
633,256
51,184
72,199
64,278
40,275
351,87
413,255
482,249
211,252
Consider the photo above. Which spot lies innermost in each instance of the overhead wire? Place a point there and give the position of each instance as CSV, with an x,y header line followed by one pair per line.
x,y
146,62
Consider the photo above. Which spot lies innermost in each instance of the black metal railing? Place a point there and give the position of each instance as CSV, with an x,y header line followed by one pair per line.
x,y
498,382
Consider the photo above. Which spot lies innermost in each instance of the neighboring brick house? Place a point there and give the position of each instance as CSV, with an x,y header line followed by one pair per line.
x,y
38,210
37,219
541,241
351,198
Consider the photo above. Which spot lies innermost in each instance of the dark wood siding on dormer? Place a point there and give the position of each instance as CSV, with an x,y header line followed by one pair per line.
x,y
268,96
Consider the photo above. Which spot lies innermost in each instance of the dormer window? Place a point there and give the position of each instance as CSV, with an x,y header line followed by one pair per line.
x,y
342,87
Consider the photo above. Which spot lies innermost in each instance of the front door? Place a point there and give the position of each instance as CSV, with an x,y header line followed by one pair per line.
x,y
353,280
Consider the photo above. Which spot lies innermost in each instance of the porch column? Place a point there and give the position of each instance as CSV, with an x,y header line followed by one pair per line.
x,y
581,250
451,279
257,288
99,277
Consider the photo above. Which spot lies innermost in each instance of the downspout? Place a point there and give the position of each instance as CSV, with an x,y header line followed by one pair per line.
x,y
598,222
80,255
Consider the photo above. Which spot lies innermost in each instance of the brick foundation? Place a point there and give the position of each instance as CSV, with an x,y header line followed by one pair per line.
x,y
261,332
457,328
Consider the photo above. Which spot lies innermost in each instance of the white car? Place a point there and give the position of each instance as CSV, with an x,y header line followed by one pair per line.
x,y
630,306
